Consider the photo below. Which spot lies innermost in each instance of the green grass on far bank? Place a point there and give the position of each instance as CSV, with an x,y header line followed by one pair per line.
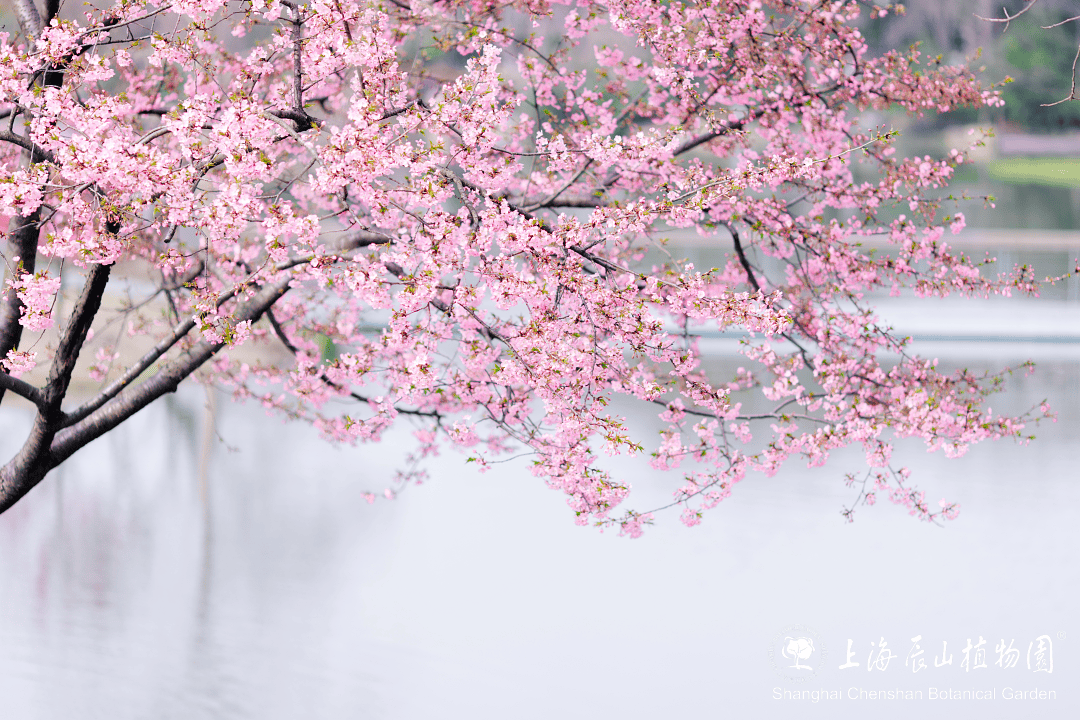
x,y
1052,171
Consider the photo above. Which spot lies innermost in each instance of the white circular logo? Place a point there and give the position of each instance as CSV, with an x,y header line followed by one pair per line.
x,y
797,653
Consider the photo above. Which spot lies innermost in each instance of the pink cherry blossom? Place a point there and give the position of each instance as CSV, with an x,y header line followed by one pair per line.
x,y
36,293
455,216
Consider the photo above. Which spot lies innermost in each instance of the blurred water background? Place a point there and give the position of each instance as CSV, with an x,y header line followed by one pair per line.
x,y
207,561
135,583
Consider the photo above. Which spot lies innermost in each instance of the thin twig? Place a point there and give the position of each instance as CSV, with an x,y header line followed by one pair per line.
x,y
1008,18
1072,90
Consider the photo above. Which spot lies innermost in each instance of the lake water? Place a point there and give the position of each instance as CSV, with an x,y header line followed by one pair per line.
x,y
177,569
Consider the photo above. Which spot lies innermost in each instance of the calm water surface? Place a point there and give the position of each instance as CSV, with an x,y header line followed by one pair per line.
x,y
151,580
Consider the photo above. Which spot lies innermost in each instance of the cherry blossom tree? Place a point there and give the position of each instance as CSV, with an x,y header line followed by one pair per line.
x,y
455,214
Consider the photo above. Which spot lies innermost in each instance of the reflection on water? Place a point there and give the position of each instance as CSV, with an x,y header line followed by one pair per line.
x,y
126,591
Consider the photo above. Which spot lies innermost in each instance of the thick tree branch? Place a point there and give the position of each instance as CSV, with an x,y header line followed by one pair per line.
x,y
280,332
55,437
298,54
133,399
359,239
29,19
29,466
74,337
301,120
149,358
592,202
21,388
23,232
52,7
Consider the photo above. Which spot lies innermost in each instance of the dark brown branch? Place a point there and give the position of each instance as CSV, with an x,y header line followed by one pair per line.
x,y
578,203
74,337
740,124
24,231
359,239
394,112
344,22
742,257
37,154
133,399
117,386
52,7
24,238
596,259
21,388
300,118
491,197
718,132
280,332
351,241
566,186
30,465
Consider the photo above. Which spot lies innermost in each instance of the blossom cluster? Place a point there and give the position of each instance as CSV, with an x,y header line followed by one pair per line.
x,y
37,293
466,219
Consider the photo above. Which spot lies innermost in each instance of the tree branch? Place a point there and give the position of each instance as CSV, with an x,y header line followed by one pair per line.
x,y
29,19
361,238
21,388
742,257
298,52
717,132
24,237
74,337
1008,18
280,332
134,399
1072,89
30,465
117,386
37,154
